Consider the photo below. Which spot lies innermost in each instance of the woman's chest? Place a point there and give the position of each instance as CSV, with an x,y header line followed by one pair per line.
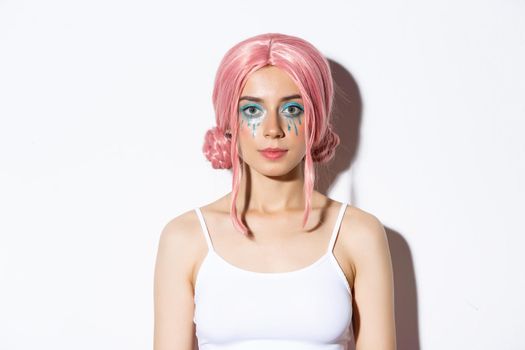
x,y
312,304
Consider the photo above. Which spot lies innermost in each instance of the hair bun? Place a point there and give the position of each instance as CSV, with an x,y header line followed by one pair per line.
x,y
325,150
217,148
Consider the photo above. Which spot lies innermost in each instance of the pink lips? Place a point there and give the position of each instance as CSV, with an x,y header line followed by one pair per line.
x,y
273,153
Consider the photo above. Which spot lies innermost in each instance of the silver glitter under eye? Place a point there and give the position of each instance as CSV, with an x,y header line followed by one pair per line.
x,y
253,114
293,118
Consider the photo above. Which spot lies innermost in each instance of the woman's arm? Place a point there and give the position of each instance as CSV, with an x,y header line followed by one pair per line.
x,y
173,291
374,319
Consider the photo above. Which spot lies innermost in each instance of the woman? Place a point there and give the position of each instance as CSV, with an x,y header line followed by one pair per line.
x,y
274,264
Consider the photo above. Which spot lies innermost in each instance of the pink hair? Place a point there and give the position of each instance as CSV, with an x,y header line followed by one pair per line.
x,y
308,69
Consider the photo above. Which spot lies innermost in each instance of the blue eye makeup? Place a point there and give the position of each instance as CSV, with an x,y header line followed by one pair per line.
x,y
253,114
292,109
252,110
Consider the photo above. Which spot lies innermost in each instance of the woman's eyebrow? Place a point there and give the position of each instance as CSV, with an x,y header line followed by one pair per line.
x,y
257,99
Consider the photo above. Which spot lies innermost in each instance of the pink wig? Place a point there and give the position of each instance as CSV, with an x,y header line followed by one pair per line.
x,y
308,69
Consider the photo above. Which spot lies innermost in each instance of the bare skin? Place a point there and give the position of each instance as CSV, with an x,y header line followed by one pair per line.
x,y
271,202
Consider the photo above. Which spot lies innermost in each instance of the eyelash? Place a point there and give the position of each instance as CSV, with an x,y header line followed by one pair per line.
x,y
286,106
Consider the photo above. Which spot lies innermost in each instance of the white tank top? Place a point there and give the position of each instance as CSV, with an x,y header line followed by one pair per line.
x,y
305,309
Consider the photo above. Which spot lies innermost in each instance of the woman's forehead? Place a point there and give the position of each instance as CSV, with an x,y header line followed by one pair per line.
x,y
269,83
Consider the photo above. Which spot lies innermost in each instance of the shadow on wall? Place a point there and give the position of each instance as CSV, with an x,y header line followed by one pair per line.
x,y
347,115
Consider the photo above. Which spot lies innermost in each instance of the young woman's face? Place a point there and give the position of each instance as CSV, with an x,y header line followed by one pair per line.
x,y
271,115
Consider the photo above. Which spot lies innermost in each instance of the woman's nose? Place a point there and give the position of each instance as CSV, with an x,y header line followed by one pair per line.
x,y
272,125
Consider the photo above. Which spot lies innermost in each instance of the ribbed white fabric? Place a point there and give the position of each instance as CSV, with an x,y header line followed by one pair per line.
x,y
305,309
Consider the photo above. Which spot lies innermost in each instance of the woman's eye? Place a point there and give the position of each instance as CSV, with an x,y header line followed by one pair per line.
x,y
293,110
251,111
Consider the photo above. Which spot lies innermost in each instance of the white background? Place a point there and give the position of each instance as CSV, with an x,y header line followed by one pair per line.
x,y
104,105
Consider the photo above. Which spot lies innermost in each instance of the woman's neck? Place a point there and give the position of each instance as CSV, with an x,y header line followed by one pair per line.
x,y
264,194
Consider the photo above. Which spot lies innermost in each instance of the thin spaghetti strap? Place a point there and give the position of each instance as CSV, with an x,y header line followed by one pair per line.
x,y
337,225
204,228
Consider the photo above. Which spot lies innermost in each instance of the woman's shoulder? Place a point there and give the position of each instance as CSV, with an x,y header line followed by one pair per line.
x,y
358,214
181,226
360,223
187,223
363,234
357,223
179,237
185,230
182,242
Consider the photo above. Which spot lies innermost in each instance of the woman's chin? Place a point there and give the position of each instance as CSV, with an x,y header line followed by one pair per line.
x,y
277,170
